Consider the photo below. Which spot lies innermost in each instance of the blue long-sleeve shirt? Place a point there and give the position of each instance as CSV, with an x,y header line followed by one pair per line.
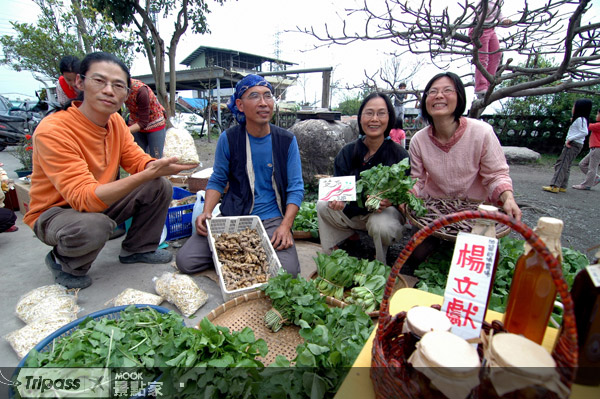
x,y
265,203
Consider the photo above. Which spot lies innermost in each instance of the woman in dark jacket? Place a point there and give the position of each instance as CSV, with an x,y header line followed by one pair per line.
x,y
339,220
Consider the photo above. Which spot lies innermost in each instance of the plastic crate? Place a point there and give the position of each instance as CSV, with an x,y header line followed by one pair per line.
x,y
179,218
111,313
219,225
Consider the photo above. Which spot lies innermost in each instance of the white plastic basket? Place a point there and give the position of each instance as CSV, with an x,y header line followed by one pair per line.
x,y
219,225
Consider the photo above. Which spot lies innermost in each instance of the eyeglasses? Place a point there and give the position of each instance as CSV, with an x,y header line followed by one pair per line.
x,y
371,114
446,91
256,96
99,83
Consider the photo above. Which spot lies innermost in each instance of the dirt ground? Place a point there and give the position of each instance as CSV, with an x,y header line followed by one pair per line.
x,y
579,210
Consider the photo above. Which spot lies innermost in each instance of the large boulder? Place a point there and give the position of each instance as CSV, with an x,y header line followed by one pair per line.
x,y
520,155
319,142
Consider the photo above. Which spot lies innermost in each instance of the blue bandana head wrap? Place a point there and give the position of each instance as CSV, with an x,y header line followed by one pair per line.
x,y
240,88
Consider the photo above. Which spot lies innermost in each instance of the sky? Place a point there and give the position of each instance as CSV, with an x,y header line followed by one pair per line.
x,y
256,26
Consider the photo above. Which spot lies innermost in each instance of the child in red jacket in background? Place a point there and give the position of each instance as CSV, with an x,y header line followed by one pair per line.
x,y
589,164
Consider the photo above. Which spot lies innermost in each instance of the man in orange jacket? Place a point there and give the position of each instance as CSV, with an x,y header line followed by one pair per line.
x,y
75,199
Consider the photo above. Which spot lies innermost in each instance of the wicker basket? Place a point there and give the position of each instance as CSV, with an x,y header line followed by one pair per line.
x,y
501,230
390,373
249,310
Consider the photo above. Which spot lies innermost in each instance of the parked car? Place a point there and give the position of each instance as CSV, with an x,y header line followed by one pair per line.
x,y
188,120
20,118
13,128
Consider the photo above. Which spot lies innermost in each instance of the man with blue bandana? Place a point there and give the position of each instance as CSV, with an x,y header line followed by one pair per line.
x,y
261,164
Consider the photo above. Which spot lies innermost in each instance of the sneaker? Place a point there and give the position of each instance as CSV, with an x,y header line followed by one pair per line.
x,y
562,190
65,279
155,257
11,229
551,189
581,187
596,180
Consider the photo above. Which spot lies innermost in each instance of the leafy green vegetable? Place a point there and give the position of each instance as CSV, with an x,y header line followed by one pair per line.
x,y
293,299
332,348
158,344
388,182
335,271
369,295
332,342
306,219
370,268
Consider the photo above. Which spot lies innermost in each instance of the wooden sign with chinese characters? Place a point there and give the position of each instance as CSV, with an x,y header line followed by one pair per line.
x,y
340,188
468,284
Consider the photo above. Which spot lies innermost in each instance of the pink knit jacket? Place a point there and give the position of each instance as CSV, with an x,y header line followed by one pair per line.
x,y
472,165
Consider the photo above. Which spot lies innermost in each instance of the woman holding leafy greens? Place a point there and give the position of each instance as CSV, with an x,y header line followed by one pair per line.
x,y
339,220
455,156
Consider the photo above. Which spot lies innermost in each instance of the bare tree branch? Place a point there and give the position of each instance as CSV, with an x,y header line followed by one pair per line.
x,y
552,31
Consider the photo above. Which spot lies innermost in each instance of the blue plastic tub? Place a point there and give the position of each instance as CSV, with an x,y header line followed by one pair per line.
x,y
68,329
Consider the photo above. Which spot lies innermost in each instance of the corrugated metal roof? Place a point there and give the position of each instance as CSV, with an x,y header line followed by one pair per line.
x,y
190,58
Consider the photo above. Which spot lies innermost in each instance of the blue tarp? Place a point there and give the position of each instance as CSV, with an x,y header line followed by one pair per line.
x,y
198,103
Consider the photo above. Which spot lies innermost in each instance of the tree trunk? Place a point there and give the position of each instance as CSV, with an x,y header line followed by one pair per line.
x,y
82,33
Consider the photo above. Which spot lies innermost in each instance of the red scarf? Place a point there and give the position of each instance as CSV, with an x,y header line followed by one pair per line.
x,y
71,93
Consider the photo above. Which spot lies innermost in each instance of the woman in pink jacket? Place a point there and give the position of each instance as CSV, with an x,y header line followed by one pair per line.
x,y
456,156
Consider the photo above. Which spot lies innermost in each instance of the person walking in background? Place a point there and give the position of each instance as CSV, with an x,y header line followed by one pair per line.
x,y
339,220
399,103
489,52
75,199
65,89
146,118
589,164
398,134
573,145
261,164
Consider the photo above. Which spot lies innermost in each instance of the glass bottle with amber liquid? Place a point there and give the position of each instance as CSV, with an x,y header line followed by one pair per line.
x,y
532,292
586,296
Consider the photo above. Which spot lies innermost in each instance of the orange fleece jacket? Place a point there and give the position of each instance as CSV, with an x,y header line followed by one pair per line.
x,y
72,156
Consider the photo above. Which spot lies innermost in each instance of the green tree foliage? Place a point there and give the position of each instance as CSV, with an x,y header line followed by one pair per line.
x,y
539,122
349,105
143,14
557,106
62,30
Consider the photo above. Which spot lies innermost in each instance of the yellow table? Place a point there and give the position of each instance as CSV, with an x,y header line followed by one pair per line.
x,y
358,381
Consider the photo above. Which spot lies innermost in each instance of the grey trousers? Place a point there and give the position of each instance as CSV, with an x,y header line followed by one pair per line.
x,y
78,237
152,143
589,167
195,255
335,227
562,167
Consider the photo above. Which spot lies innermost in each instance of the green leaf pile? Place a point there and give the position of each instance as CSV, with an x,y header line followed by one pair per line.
x,y
388,182
366,279
293,299
306,219
335,272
